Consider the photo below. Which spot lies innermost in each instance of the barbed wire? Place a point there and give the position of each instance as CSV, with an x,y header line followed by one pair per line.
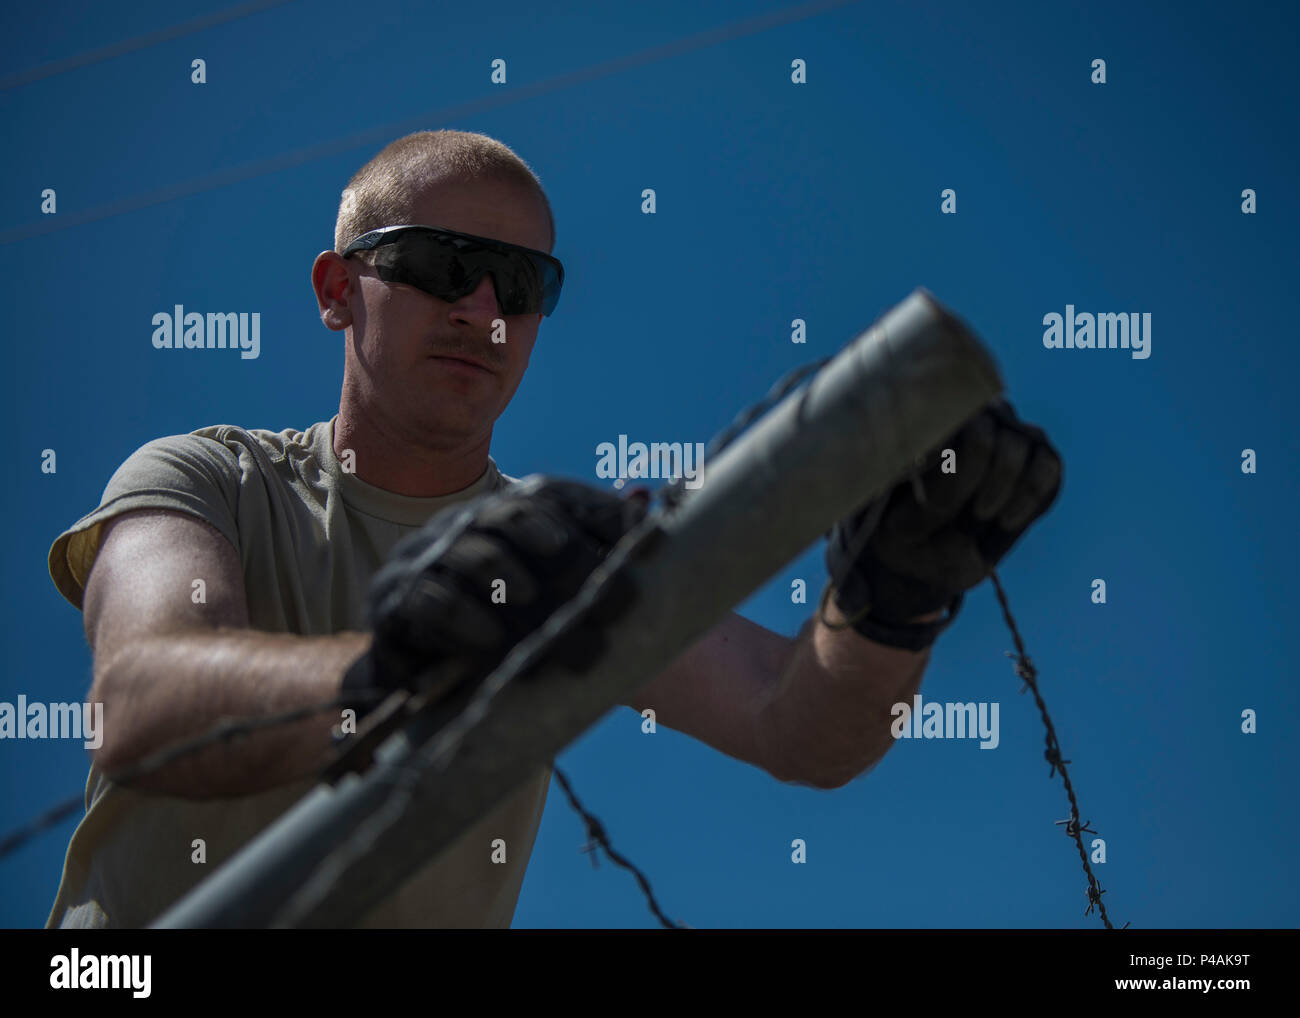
x,y
225,730
596,833
1026,670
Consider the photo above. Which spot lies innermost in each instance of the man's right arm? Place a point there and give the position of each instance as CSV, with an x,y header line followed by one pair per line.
x,y
168,669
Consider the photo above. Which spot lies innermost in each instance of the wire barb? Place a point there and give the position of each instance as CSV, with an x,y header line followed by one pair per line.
x,y
1072,826
596,833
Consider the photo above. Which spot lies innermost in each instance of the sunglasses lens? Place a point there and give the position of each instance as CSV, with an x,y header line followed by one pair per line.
x,y
449,268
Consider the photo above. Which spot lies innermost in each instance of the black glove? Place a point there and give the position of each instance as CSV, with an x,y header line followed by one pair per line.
x,y
543,537
919,556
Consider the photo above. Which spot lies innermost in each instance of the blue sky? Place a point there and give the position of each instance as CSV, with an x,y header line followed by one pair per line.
x,y
775,201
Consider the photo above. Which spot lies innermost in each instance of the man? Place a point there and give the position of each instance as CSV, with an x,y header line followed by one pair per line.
x,y
237,573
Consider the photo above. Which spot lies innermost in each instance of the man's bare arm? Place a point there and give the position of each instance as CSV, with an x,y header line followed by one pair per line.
x,y
713,691
828,716
166,668
813,710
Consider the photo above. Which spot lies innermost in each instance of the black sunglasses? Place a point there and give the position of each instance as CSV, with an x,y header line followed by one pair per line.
x,y
449,265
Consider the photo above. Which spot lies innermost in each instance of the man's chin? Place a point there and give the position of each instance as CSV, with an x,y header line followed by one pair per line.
x,y
445,423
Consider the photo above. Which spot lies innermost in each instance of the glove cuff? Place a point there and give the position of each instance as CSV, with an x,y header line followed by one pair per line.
x,y
360,681
913,636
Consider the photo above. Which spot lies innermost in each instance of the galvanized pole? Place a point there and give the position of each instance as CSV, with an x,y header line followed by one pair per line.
x,y
861,423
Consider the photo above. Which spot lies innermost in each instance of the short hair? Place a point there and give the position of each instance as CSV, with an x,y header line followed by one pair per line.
x,y
381,192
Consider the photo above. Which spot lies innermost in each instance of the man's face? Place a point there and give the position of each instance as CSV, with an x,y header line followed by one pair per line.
x,y
403,339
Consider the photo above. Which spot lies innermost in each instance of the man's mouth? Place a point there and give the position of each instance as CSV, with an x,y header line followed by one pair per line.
x,y
464,362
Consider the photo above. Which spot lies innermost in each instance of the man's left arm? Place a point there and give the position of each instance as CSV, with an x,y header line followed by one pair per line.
x,y
817,710
813,710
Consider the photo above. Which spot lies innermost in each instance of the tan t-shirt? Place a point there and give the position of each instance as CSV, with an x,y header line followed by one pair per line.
x,y
309,537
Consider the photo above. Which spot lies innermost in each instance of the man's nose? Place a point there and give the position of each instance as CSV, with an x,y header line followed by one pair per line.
x,y
481,300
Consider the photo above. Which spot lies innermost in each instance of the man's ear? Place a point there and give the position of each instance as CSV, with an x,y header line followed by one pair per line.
x,y
335,286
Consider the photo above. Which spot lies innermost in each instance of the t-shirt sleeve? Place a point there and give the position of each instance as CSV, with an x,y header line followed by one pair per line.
x,y
184,473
